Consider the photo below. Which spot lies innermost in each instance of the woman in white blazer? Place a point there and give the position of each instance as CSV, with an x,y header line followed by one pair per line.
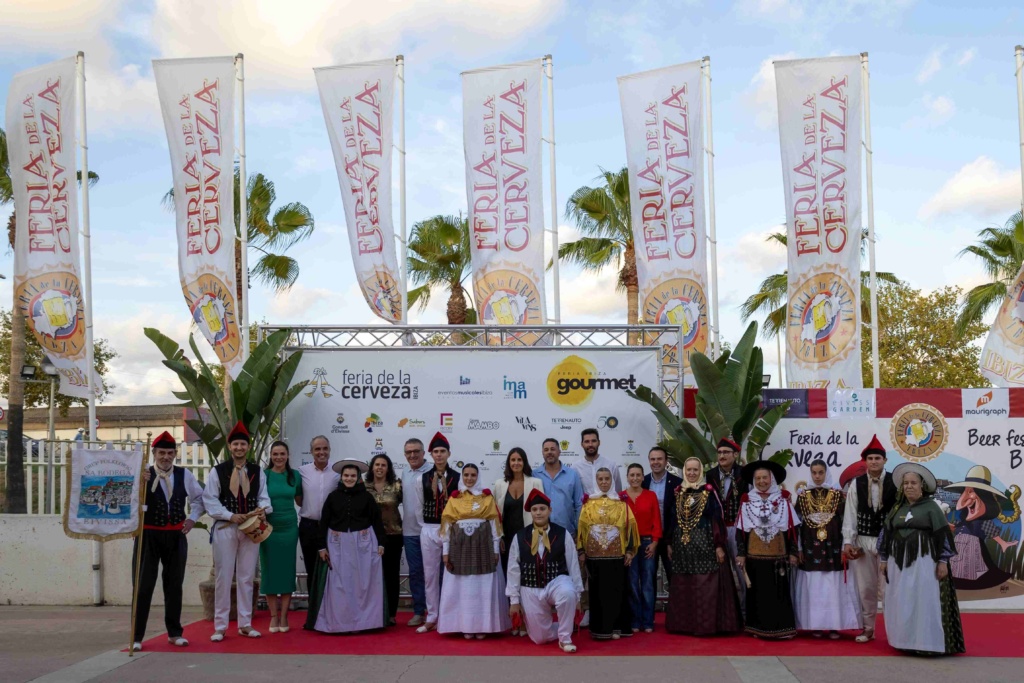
x,y
509,494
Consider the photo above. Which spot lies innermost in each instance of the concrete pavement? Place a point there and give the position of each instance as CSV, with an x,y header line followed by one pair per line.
x,y
76,644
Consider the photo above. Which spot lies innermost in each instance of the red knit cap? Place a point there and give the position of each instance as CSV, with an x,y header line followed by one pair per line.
x,y
874,447
239,432
536,497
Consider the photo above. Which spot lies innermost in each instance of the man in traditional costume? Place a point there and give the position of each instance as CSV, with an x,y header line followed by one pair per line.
x,y
235,491
728,482
473,591
869,500
543,575
766,543
437,486
824,593
702,599
922,615
163,541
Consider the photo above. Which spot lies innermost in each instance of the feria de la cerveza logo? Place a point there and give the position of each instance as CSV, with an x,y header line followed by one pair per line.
x,y
386,384
572,382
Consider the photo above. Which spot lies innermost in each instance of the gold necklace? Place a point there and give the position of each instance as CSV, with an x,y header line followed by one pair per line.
x,y
689,514
814,511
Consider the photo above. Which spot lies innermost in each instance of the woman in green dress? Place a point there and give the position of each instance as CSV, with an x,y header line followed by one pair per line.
x,y
277,553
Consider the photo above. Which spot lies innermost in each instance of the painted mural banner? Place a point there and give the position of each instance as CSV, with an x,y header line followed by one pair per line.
x,y
484,401
102,494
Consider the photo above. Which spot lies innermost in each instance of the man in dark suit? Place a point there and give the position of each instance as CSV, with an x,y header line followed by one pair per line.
x,y
663,483
728,481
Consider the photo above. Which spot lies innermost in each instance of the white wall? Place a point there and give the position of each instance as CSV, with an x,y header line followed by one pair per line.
x,y
39,565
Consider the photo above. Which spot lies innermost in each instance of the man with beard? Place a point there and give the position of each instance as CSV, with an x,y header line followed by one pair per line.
x,y
663,483
592,461
562,485
730,486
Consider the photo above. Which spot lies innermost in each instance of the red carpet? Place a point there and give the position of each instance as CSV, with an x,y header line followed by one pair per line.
x,y
987,635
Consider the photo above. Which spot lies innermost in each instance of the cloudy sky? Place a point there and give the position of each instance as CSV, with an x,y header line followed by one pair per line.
x,y
944,123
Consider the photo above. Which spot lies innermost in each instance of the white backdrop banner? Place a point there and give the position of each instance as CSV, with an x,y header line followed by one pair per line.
x,y
663,118
485,402
820,134
102,500
41,130
197,98
358,105
501,120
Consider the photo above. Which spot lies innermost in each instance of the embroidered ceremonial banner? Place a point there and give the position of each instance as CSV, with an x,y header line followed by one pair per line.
x,y
197,98
357,101
663,118
41,130
1002,359
820,135
102,494
502,137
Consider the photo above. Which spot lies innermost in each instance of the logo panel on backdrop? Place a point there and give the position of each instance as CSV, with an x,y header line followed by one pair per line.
x,y
820,135
663,120
919,432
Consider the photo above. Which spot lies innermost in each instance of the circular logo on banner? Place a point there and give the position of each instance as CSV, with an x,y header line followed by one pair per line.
x,y
568,385
1010,320
822,320
508,297
680,301
213,311
384,295
51,304
919,432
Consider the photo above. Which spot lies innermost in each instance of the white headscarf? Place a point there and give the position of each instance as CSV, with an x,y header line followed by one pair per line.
x,y
478,489
767,516
701,481
598,493
829,482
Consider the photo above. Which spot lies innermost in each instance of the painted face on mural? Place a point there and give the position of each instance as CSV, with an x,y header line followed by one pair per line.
x,y
970,501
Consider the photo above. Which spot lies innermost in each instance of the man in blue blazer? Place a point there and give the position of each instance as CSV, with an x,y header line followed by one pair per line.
x,y
663,483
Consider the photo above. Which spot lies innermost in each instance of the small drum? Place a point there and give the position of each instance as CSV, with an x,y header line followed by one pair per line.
x,y
256,529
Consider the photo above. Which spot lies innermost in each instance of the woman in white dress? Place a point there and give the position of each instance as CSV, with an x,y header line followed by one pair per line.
x,y
473,589
825,597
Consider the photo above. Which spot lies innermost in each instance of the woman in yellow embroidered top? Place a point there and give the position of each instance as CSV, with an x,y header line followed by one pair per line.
x,y
473,589
607,541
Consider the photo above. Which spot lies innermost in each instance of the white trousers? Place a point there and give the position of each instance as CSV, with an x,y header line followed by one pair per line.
x,y
866,571
433,550
537,604
234,554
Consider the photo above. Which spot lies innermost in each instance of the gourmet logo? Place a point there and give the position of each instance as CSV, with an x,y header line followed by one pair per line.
x,y
387,385
573,381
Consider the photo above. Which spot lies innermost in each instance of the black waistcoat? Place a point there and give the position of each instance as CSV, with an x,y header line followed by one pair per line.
x,y
239,505
869,522
160,511
433,504
538,572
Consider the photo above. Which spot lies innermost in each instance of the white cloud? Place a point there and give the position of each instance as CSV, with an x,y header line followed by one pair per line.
x,y
981,188
966,57
934,111
297,303
590,296
932,65
821,14
755,254
761,92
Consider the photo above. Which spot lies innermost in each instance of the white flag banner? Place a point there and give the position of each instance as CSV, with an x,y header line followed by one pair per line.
x,y
663,118
102,494
501,120
197,98
1002,359
358,100
41,137
820,133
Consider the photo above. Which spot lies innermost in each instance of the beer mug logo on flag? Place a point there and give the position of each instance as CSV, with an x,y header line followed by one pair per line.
x,y
54,312
213,311
919,432
509,298
383,294
1010,321
822,321
680,301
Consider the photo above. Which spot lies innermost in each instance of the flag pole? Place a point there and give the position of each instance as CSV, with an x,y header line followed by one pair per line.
x,y
709,150
138,548
875,373
90,361
1019,53
548,67
404,250
243,213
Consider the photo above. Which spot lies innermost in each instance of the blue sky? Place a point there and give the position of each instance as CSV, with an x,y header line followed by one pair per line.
x,y
944,123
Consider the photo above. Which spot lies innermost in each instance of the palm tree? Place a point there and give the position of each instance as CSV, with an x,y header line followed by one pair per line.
x,y
772,294
1001,251
16,500
602,214
440,257
268,235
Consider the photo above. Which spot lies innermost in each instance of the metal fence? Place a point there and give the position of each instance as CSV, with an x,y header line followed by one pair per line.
x,y
45,463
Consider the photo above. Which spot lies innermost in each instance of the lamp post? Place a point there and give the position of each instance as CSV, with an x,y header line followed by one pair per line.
x,y
28,372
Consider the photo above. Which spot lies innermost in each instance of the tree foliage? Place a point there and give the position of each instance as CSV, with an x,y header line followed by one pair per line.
x,y
918,343
439,256
38,395
1001,252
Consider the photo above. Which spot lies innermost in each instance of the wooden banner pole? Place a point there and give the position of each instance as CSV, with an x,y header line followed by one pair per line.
x,y
138,547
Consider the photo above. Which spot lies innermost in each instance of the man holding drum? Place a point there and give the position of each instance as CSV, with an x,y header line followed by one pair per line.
x,y
235,491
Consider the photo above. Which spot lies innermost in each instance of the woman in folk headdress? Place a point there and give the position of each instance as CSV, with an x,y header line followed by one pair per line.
x,y
607,542
348,591
473,590
766,543
702,597
922,615
824,594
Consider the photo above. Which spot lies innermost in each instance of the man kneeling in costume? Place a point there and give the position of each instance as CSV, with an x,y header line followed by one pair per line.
x,y
540,577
